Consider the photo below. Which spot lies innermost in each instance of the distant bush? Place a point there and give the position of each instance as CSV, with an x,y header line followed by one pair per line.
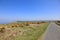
x,y
42,22
27,24
38,22
13,26
2,30
58,21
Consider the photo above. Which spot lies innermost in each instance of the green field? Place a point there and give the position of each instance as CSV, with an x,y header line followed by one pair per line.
x,y
32,32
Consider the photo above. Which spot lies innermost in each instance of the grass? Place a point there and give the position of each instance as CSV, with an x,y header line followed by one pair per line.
x,y
29,32
32,34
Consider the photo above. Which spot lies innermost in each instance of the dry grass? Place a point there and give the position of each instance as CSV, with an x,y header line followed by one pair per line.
x,y
24,32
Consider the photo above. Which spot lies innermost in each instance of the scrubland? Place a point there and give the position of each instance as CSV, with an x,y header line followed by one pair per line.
x,y
22,31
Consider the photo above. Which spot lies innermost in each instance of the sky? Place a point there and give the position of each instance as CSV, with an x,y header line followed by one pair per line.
x,y
12,10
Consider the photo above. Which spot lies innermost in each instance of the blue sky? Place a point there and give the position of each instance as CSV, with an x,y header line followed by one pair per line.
x,y
11,10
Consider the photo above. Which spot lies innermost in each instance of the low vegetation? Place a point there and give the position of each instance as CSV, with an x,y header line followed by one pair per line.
x,y
58,23
23,31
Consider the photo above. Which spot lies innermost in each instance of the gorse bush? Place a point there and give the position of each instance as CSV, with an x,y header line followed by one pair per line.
x,y
2,30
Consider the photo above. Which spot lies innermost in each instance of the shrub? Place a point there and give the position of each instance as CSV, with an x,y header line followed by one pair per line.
x,y
2,29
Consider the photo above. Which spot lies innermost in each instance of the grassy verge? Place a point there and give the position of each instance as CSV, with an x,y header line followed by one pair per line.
x,y
32,33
